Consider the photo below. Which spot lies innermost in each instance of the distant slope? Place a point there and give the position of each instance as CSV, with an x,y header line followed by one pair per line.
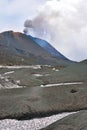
x,y
48,47
18,48
84,61
72,73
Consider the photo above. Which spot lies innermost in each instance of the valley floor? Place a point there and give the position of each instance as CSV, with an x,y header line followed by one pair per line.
x,y
30,92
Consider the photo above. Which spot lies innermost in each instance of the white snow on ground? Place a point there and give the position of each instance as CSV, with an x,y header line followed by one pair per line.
x,y
10,72
7,84
18,81
40,75
55,69
10,85
37,75
34,124
20,67
61,84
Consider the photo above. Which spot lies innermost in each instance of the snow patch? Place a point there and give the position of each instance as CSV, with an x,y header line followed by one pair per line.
x,y
10,85
37,75
10,72
61,84
20,67
7,84
18,81
54,69
34,124
40,75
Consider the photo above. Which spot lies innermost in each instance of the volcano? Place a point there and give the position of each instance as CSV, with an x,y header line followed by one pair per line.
x,y
18,48
48,47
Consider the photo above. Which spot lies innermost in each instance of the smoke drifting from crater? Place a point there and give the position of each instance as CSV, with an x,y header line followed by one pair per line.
x,y
64,24
27,25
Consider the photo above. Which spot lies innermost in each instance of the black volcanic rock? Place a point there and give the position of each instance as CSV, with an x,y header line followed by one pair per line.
x,y
19,48
34,100
49,48
76,121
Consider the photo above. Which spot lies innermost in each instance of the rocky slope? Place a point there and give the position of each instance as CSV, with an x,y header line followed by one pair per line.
x,y
49,48
76,121
18,48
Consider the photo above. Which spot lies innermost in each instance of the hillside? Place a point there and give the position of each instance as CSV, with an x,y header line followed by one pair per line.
x,y
18,48
48,47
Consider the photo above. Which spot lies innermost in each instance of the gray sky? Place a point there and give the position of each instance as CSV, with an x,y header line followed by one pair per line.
x,y
14,12
61,22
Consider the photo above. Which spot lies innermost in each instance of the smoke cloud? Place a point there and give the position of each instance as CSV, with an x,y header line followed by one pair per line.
x,y
64,24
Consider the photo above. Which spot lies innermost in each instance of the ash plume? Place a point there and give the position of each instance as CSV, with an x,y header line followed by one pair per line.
x,y
27,24
64,24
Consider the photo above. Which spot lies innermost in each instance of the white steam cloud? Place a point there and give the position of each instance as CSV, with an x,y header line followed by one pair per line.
x,y
64,24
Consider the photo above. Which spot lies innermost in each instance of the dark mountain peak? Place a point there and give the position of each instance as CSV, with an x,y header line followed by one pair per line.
x,y
7,32
48,47
16,44
11,33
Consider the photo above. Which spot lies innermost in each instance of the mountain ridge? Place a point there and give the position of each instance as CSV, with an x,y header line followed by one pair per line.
x,y
19,44
48,47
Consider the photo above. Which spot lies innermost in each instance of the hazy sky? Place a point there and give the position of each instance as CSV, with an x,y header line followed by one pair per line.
x,y
62,22
14,12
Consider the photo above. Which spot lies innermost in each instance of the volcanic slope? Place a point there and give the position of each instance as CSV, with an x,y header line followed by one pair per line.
x,y
18,48
48,47
76,121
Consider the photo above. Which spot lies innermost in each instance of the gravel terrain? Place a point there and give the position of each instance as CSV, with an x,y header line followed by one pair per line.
x,y
34,124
